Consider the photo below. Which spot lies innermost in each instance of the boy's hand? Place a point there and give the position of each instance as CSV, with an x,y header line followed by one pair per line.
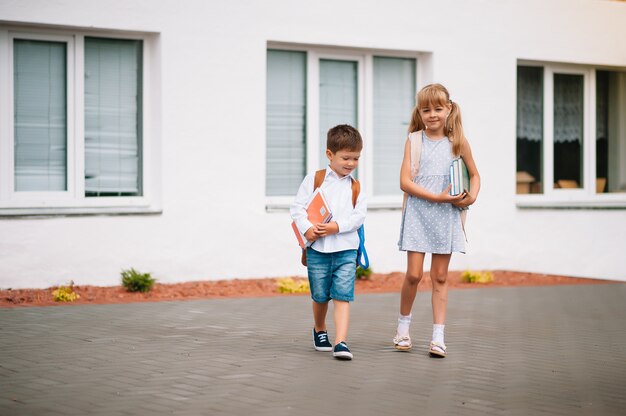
x,y
323,230
310,234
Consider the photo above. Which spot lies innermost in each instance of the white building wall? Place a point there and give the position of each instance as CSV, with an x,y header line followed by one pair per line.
x,y
214,223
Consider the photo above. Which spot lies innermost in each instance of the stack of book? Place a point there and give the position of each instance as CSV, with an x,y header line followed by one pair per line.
x,y
459,177
317,212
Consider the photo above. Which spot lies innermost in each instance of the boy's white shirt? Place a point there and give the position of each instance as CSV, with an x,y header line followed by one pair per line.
x,y
338,193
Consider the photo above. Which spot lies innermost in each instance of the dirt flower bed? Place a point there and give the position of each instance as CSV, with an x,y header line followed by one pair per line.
x,y
376,283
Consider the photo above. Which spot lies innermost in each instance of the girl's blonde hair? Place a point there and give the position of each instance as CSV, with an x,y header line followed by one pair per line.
x,y
433,95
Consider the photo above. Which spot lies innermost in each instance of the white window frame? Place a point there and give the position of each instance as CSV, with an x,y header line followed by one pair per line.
x,y
586,196
73,200
365,111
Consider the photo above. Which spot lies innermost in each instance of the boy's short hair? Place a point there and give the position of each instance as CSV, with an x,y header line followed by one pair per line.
x,y
344,137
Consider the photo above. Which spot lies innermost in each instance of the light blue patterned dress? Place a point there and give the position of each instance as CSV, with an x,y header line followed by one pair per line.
x,y
430,227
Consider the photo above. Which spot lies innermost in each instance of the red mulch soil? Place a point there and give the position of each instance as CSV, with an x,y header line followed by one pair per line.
x,y
237,288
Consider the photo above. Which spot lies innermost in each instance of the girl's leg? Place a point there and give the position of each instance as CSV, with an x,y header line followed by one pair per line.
x,y
439,277
414,272
342,318
319,315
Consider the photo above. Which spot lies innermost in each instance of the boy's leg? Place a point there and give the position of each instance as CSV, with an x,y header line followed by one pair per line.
x,y
319,272
342,291
319,315
342,320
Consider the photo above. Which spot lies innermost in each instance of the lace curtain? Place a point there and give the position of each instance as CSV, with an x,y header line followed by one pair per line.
x,y
530,103
568,108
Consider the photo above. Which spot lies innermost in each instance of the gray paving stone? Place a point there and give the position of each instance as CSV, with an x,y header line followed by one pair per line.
x,y
513,351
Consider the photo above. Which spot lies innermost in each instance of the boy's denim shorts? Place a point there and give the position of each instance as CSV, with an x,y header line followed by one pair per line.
x,y
331,275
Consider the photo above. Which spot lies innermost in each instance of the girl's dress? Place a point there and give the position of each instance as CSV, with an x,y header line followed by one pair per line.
x,y
431,227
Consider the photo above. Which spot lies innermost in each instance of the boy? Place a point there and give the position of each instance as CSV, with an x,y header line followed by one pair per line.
x,y
332,247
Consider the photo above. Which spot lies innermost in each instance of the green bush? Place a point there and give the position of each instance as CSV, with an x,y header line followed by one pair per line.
x,y
134,281
469,276
363,274
65,293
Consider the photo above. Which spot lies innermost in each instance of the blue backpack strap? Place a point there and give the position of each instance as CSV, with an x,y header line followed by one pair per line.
x,y
362,260
361,254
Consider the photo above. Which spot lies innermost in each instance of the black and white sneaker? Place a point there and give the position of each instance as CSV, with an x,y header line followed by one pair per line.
x,y
342,351
320,341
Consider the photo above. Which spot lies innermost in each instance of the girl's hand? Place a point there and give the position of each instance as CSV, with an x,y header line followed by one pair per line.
x,y
446,198
322,230
310,234
466,201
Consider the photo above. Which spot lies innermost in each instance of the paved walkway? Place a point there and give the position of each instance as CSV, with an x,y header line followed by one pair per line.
x,y
512,351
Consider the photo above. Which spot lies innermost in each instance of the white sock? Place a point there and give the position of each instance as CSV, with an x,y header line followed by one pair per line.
x,y
438,333
404,322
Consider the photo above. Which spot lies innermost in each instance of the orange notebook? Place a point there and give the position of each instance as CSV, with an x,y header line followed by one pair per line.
x,y
317,212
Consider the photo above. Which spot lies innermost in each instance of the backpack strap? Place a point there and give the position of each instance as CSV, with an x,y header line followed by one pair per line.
x,y
415,140
416,151
320,175
356,189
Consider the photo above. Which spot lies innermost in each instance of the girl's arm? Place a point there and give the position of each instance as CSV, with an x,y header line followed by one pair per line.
x,y
470,197
407,185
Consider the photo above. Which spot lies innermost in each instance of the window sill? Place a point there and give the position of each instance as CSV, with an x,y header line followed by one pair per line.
x,y
542,202
77,211
282,204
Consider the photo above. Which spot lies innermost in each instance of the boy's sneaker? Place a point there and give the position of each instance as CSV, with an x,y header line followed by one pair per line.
x,y
320,341
342,351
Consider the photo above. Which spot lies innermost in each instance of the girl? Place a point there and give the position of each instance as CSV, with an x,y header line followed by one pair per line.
x,y
431,218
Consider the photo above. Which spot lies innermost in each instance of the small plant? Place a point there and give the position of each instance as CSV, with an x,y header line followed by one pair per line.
x,y
469,276
65,293
288,285
363,274
134,281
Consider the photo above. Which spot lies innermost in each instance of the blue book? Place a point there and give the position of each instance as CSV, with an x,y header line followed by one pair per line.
x,y
459,177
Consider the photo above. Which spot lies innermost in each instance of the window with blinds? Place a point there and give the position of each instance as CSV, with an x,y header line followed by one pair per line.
x,y
394,98
72,137
372,93
40,115
113,131
285,122
338,99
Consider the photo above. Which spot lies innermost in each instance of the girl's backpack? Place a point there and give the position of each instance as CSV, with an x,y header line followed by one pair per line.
x,y
361,255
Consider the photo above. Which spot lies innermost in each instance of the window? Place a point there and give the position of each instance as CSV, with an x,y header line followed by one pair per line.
x,y
112,117
571,135
310,90
72,135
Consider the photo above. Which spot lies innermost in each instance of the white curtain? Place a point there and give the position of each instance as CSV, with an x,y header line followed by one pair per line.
x,y
40,115
602,108
338,98
113,131
530,103
285,122
394,98
568,107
